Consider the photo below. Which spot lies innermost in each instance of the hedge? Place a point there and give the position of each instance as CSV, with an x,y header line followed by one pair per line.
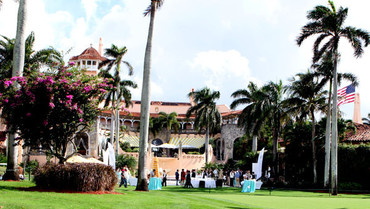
x,y
354,164
77,177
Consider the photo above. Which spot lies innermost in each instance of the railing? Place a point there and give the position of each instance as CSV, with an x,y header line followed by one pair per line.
x,y
180,131
188,131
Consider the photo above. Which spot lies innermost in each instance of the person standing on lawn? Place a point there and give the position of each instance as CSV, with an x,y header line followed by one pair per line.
x,y
123,178
183,174
164,179
177,176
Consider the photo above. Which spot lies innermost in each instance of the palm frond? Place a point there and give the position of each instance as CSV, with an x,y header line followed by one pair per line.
x,y
155,4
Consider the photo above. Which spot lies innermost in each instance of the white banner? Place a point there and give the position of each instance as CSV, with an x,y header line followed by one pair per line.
x,y
112,157
259,164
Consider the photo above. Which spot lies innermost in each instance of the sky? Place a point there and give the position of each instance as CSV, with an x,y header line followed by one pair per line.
x,y
197,43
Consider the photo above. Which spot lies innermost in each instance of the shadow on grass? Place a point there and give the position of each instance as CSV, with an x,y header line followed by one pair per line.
x,y
6,187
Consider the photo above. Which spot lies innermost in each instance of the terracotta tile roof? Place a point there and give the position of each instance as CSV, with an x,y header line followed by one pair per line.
x,y
89,53
231,113
179,107
362,134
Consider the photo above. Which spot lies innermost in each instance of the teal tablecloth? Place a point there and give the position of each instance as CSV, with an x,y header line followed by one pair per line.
x,y
155,183
249,186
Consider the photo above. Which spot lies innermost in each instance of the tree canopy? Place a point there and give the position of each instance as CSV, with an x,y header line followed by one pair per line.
x,y
49,109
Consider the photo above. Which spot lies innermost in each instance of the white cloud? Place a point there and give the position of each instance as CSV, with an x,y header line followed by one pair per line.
x,y
156,90
219,68
267,9
261,33
90,7
8,18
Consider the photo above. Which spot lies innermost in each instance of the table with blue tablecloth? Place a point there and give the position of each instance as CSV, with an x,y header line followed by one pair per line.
x,y
155,183
249,186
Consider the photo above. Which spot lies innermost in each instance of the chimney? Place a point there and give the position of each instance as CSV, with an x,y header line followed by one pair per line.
x,y
356,110
100,46
191,98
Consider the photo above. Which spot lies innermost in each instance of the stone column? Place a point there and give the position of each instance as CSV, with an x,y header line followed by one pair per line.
x,y
94,139
357,110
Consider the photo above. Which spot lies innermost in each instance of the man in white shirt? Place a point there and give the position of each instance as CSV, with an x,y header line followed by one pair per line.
x,y
232,176
164,179
215,173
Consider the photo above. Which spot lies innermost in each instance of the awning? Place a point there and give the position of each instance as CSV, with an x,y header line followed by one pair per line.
x,y
188,147
133,140
188,142
168,146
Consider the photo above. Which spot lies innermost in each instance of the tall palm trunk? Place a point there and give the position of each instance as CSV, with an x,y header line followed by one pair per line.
x,y
327,138
117,117
334,131
254,144
112,122
206,145
117,126
18,65
314,160
145,106
275,170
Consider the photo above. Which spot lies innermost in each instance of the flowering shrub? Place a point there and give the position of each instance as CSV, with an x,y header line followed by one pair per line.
x,y
49,109
76,176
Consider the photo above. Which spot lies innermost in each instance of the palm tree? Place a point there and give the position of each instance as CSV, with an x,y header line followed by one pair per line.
x,y
145,97
206,113
120,87
274,111
366,120
327,22
250,118
164,121
323,70
264,107
18,63
167,122
306,98
33,61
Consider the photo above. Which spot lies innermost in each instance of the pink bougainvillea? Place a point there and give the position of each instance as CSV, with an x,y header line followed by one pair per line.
x,y
49,109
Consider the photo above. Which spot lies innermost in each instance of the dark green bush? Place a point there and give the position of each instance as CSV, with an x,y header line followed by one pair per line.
x,y
230,165
125,146
194,153
349,186
128,160
135,149
32,165
354,164
2,158
77,177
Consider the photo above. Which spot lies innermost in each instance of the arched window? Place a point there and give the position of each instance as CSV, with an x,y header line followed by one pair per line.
x,y
82,143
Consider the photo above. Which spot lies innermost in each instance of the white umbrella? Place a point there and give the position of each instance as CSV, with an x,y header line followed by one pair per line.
x,y
168,146
188,147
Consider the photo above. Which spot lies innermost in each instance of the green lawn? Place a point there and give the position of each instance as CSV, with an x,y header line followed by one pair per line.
x,y
176,197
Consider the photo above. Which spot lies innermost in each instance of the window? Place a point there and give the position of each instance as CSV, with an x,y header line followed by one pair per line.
x,y
83,62
89,62
94,62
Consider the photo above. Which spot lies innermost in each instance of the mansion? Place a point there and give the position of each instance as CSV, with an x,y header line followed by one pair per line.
x,y
93,142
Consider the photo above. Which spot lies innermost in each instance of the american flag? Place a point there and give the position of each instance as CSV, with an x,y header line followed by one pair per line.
x,y
346,95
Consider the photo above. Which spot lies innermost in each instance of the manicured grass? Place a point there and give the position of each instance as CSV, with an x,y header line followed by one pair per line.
x,y
176,197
